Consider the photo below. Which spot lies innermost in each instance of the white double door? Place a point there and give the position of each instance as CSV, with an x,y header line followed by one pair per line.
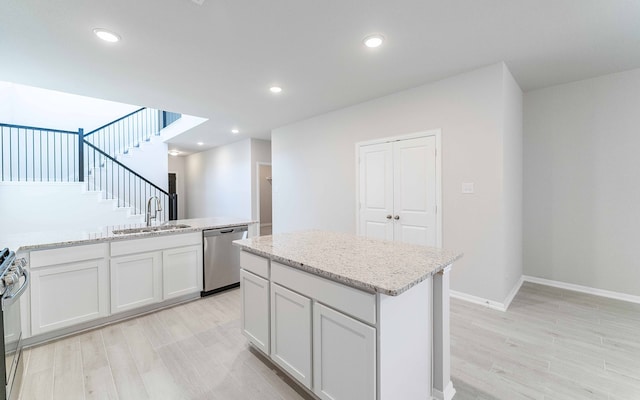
x,y
398,191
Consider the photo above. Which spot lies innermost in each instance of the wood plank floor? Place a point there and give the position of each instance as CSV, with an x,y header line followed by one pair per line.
x,y
551,344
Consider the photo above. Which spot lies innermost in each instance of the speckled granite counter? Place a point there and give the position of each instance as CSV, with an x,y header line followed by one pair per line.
x,y
43,240
373,265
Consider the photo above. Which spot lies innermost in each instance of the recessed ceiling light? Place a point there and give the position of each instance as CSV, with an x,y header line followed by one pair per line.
x,y
234,131
173,152
200,143
107,35
373,41
275,89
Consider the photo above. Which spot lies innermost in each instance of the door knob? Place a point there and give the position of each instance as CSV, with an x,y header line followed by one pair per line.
x,y
397,217
389,216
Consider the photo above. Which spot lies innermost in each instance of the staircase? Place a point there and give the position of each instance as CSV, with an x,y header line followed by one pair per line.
x,y
94,160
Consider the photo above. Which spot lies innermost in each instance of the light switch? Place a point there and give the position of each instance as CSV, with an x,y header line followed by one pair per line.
x,y
467,187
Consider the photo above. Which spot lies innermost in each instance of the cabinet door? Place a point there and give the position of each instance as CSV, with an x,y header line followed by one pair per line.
x,y
68,294
291,332
181,271
255,309
344,356
376,191
135,281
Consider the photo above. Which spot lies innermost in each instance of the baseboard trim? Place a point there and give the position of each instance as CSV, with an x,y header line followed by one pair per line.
x,y
513,293
494,305
447,394
583,289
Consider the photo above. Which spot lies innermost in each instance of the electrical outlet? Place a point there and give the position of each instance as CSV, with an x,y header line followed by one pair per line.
x,y
467,188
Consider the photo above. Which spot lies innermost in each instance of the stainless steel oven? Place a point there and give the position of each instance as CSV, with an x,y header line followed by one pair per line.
x,y
14,280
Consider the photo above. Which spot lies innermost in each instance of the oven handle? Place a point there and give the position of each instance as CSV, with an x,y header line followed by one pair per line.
x,y
12,298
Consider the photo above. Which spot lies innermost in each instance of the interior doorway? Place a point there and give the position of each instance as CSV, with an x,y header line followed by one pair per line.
x,y
265,222
173,211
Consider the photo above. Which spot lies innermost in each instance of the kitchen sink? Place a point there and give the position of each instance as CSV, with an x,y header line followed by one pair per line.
x,y
146,229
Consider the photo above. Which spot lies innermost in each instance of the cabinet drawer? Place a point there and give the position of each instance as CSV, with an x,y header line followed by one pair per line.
x,y
155,243
256,264
354,302
66,255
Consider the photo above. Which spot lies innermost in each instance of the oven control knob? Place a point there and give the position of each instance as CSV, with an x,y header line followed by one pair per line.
x,y
11,278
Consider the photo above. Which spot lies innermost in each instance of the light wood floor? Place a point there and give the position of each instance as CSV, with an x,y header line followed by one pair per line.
x,y
551,344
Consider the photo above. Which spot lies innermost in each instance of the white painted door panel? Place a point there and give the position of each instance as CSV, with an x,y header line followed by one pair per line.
x,y
136,281
376,191
68,294
255,309
291,332
181,271
344,356
414,200
398,191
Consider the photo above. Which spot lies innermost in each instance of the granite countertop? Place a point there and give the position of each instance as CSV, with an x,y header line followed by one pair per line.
x,y
373,265
61,238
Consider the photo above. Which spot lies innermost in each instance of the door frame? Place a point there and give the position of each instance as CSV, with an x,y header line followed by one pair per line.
x,y
258,165
437,133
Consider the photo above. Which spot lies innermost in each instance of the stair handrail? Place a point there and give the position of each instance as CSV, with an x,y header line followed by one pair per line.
x,y
35,128
115,121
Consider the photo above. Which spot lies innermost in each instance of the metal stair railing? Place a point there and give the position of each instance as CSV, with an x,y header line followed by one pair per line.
x,y
130,131
29,153
41,154
117,181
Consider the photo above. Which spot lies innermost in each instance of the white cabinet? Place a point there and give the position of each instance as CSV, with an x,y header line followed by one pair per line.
x,y
344,356
150,270
68,286
136,281
291,332
399,191
255,309
314,330
77,284
181,271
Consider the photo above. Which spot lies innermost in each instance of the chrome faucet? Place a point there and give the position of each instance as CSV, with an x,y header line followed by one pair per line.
x,y
155,214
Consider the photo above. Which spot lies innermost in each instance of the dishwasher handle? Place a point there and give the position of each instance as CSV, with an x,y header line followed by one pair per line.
x,y
224,231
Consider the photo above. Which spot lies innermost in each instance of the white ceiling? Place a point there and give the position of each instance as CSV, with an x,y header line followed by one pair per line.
x,y
218,60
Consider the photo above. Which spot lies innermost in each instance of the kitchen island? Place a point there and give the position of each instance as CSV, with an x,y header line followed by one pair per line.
x,y
80,280
350,317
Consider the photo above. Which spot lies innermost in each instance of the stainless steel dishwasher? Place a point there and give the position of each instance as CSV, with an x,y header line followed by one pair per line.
x,y
221,258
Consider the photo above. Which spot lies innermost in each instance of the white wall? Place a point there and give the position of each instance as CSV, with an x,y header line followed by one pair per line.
x,y
260,153
62,207
581,174
177,166
512,155
218,181
149,160
221,182
314,169
27,105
